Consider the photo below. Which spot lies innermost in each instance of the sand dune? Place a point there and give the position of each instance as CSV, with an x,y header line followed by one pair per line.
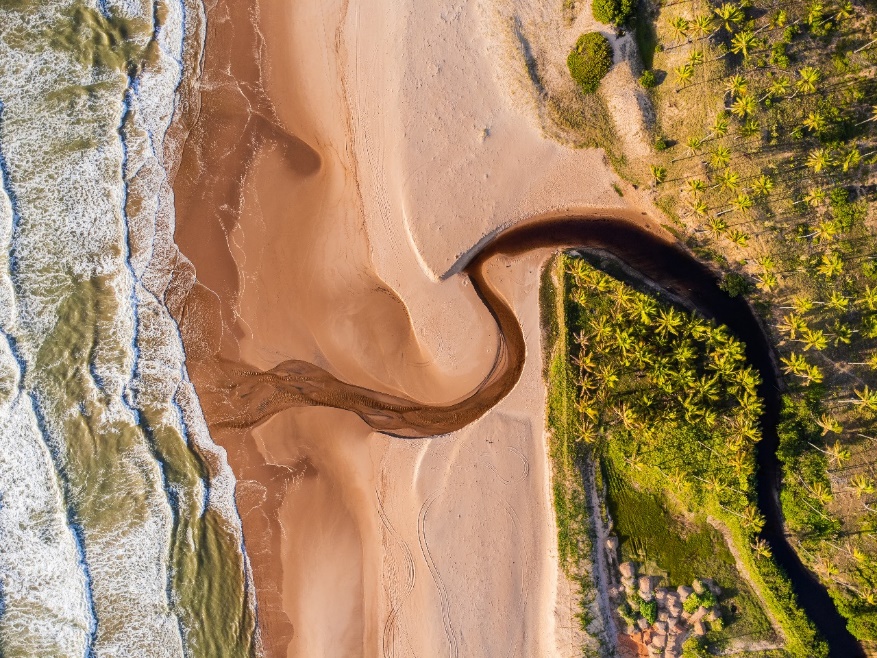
x,y
344,159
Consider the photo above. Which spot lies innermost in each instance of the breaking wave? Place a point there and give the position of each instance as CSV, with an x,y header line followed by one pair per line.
x,y
118,532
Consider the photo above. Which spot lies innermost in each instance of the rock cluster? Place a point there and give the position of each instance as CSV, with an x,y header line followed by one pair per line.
x,y
638,596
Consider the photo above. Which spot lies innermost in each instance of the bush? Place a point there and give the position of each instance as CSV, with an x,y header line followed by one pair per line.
x,y
613,12
648,79
649,610
735,284
590,60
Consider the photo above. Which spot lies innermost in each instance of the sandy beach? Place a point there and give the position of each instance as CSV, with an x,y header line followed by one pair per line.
x,y
342,161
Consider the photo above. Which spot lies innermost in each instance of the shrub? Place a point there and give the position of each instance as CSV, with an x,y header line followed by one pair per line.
x,y
590,60
648,79
649,610
613,12
660,143
735,284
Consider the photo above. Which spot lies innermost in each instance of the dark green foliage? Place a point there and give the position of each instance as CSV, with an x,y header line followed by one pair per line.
x,y
649,610
736,284
804,471
846,213
648,79
660,143
590,60
694,601
613,12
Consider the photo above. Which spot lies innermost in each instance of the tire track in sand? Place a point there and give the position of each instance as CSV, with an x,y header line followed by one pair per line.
x,y
450,635
410,578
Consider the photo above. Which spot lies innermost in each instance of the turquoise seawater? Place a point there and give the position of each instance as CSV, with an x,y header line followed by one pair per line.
x,y
118,531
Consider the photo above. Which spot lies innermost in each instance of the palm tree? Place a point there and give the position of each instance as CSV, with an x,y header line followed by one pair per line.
x,y
752,519
659,174
825,231
683,74
802,304
814,197
668,322
736,85
837,454
838,301
761,549
695,57
867,398
829,424
763,185
729,180
694,144
679,26
769,281
869,298
815,122
721,157
717,225
742,202
702,25
862,485
721,125
832,264
743,43
809,78
779,87
851,160
843,334
814,339
794,364
819,159
738,237
744,106
844,11
699,207
793,324
730,15
750,128
696,185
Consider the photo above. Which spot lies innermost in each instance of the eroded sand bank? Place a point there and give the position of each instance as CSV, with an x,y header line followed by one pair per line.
x,y
343,159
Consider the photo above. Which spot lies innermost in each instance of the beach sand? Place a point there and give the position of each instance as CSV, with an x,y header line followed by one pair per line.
x,y
343,159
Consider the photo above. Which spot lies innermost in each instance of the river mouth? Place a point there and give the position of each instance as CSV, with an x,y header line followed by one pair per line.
x,y
243,397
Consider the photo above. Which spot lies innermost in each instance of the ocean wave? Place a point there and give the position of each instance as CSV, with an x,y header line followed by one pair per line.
x,y
111,486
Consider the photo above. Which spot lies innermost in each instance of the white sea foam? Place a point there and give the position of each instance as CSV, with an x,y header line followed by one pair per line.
x,y
44,591
68,579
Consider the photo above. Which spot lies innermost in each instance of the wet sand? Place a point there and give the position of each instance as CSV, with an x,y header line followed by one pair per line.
x,y
337,170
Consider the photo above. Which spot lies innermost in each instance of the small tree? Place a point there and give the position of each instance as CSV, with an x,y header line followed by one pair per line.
x,y
590,60
613,12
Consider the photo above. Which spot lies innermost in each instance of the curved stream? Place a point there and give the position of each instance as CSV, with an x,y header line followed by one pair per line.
x,y
244,397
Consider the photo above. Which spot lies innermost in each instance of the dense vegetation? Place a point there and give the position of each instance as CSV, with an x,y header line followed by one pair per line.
x,y
669,403
764,162
567,454
590,60
613,12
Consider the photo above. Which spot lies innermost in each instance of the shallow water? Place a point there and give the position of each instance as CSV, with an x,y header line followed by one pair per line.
x,y
118,532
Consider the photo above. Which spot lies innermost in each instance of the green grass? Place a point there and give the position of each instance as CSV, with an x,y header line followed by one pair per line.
x,y
680,549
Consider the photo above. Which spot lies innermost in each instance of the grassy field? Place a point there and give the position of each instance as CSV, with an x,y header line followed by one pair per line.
x,y
680,547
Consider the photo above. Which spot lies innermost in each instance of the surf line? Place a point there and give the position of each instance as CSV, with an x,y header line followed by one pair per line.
x,y
243,397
